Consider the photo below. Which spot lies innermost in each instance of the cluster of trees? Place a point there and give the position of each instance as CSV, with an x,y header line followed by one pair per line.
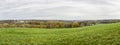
x,y
51,23
44,24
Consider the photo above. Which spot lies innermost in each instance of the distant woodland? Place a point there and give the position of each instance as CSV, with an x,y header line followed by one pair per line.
x,y
51,23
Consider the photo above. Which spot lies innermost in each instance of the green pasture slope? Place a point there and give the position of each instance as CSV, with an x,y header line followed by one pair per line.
x,y
103,34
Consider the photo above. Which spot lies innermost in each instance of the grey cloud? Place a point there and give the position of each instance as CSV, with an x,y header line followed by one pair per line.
x,y
103,2
59,9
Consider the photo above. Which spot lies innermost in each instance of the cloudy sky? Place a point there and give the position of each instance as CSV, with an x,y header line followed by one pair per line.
x,y
59,9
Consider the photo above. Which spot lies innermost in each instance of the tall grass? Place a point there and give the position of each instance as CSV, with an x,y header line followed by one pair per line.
x,y
107,34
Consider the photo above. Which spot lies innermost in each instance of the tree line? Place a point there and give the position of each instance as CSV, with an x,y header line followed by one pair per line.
x,y
44,24
51,23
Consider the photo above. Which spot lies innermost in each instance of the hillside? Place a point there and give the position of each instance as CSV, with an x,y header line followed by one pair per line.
x,y
102,34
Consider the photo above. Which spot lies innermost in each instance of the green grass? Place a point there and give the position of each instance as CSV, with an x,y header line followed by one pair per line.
x,y
103,34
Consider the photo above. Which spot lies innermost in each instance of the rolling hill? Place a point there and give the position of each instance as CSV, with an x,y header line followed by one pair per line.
x,y
101,34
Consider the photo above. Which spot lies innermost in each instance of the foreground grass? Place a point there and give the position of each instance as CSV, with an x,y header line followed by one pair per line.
x,y
107,34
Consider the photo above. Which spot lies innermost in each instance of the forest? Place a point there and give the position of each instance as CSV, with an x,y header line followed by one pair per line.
x,y
51,23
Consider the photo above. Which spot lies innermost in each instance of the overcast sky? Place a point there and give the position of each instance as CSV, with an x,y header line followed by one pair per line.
x,y
59,9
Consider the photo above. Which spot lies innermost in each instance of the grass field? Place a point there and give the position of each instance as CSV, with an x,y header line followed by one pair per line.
x,y
102,34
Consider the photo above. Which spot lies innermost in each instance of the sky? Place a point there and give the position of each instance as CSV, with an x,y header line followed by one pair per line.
x,y
59,9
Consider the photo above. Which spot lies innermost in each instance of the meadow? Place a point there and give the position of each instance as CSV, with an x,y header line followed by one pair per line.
x,y
101,34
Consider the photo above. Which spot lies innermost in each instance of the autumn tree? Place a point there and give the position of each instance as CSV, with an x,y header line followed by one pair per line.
x,y
58,25
75,24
